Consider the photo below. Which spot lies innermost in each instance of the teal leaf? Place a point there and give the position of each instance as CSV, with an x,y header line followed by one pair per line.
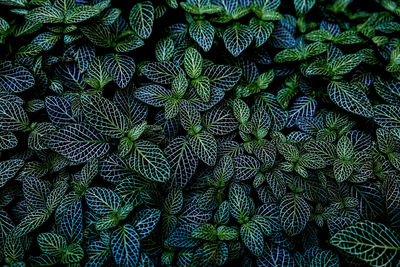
x,y
237,38
149,160
125,245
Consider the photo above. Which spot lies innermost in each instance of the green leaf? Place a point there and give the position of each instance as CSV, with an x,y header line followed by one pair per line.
x,y
372,242
30,222
193,63
52,244
204,146
237,38
164,49
222,76
303,6
141,19
227,233
349,97
205,231
97,74
45,14
73,254
149,160
203,33
344,64
78,143
102,201
80,14
262,30
239,202
8,169
12,117
387,116
161,72
104,116
145,221
252,237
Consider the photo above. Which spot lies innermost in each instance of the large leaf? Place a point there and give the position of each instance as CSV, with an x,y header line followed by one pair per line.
x,y
78,142
120,68
182,160
145,221
12,116
102,201
350,98
295,213
252,237
387,116
8,169
149,160
14,78
125,245
30,222
222,76
161,72
204,146
59,110
237,38
372,242
141,19
52,244
104,116
45,14
203,33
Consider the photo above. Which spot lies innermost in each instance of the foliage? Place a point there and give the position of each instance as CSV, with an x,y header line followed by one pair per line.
x,y
199,133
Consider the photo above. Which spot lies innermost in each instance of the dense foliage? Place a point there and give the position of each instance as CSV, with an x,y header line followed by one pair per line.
x,y
199,132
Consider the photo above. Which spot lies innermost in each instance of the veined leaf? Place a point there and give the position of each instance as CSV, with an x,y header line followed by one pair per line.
x,y
120,68
15,78
204,146
102,201
8,169
203,33
161,72
12,117
372,242
52,244
45,14
125,245
145,221
387,116
295,213
350,98
149,160
237,38
182,160
78,143
104,116
141,19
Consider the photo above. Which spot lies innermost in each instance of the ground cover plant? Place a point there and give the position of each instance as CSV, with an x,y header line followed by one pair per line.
x,y
199,133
